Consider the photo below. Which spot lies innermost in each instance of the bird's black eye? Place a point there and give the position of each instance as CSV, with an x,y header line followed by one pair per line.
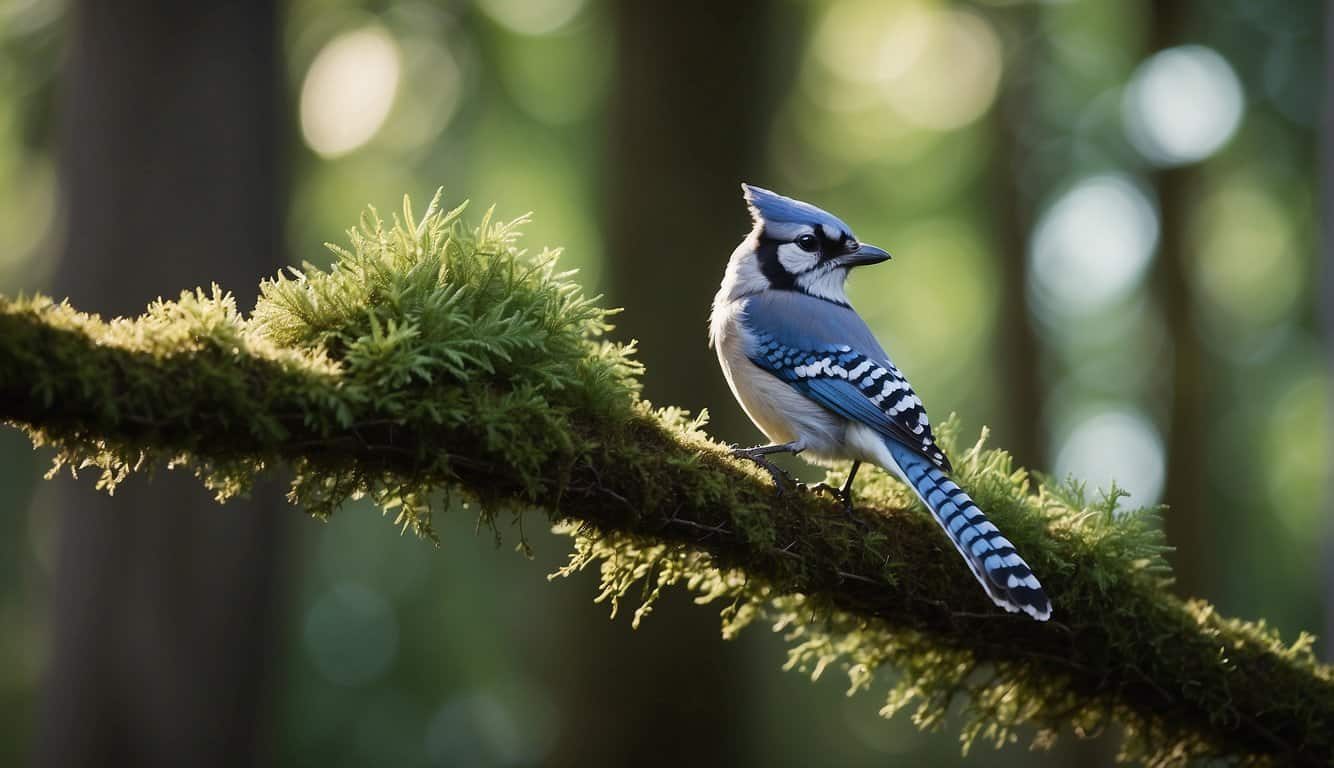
x,y
808,243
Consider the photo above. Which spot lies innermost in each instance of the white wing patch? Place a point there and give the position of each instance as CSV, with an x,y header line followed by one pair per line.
x,y
893,395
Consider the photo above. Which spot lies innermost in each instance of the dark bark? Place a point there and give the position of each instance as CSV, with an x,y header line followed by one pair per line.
x,y
688,123
1013,202
1327,285
163,618
1186,520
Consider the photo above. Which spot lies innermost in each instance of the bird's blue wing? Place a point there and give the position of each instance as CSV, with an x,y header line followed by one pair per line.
x,y
826,352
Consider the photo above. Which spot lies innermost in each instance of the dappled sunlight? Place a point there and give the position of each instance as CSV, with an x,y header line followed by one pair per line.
x,y
1182,105
954,82
431,92
869,42
1116,444
888,80
351,635
1092,247
936,68
1297,429
28,184
27,226
532,17
1244,240
349,90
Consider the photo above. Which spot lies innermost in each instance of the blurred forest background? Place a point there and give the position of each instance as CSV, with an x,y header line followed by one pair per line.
x,y
1106,222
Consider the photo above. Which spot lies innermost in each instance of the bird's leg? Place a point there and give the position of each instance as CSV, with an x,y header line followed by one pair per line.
x,y
844,494
758,454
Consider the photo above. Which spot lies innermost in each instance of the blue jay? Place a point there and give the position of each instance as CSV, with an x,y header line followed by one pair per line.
x,y
809,373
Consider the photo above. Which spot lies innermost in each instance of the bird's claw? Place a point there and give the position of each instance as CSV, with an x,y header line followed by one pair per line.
x,y
842,494
773,469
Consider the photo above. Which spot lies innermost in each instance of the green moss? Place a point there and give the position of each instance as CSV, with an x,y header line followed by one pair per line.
x,y
435,362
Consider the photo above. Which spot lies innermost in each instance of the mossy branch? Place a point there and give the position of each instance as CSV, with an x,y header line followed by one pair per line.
x,y
434,361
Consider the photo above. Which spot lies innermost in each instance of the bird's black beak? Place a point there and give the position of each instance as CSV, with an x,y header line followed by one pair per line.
x,y
865,255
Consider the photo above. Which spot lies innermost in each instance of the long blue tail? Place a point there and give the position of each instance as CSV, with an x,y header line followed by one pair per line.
x,y
992,558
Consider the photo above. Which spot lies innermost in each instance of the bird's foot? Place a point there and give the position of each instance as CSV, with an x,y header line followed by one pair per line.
x,y
842,494
775,472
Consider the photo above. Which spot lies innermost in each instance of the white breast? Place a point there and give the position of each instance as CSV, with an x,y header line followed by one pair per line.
x,y
781,413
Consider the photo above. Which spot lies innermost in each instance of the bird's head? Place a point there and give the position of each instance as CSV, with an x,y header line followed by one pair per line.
x,y
796,246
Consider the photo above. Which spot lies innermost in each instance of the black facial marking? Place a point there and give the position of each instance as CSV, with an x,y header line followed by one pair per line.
x,y
778,276
830,249
827,248
771,268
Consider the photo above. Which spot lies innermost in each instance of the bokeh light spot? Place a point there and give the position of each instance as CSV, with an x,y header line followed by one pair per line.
x,y
1182,105
532,17
431,92
1116,444
1296,436
955,81
559,79
28,223
934,69
511,724
351,634
872,42
1246,265
349,90
1091,247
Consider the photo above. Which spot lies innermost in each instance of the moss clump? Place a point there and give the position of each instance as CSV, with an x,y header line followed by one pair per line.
x,y
434,361
436,325
423,323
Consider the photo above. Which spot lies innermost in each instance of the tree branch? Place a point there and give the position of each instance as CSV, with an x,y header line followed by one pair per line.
x,y
658,503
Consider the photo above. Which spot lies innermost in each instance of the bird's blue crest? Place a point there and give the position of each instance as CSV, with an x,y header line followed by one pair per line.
x,y
766,206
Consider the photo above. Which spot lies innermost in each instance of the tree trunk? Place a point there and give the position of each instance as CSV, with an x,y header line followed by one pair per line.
x,y
163,618
688,123
1013,204
1186,521
1327,287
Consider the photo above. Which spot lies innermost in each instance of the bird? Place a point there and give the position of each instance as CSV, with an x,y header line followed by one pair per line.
x,y
809,373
